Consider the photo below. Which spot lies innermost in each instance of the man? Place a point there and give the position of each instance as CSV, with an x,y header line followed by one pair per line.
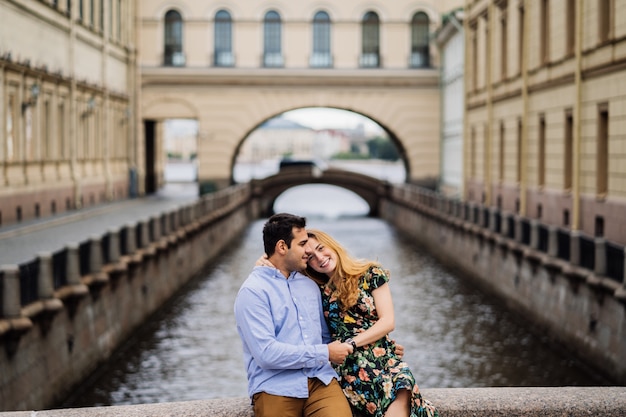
x,y
281,324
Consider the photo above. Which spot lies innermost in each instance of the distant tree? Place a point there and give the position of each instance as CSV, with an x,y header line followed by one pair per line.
x,y
383,148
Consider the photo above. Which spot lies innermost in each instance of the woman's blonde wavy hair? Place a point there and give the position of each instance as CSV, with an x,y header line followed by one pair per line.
x,y
344,282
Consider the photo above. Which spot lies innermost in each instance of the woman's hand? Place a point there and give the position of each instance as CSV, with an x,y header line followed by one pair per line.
x,y
263,261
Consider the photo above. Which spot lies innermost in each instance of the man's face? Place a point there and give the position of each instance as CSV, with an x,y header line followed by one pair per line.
x,y
298,253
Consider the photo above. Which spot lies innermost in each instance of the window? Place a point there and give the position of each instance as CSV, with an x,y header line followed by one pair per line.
x,y
541,152
80,10
101,19
568,153
474,39
119,23
544,28
223,40
62,153
46,144
520,39
605,23
321,41
92,11
370,56
420,51
10,129
110,19
272,51
173,54
502,154
503,41
602,161
570,27
473,153
520,156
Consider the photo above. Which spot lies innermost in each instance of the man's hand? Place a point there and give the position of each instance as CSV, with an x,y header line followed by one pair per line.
x,y
337,351
399,350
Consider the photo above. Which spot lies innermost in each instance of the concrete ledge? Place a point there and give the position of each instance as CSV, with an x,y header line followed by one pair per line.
x,y
451,402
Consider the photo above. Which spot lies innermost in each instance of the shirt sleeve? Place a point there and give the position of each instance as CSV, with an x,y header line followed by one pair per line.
x,y
255,324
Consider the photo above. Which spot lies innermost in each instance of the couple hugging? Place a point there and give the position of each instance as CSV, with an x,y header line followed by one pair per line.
x,y
315,324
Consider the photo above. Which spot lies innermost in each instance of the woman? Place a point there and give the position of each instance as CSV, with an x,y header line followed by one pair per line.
x,y
359,309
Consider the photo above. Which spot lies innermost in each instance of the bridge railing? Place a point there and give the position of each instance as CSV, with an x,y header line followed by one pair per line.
x,y
594,254
62,274
451,402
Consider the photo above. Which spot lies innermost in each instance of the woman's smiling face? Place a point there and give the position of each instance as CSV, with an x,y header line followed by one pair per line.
x,y
322,259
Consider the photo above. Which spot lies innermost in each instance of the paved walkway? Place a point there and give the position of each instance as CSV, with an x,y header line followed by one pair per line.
x,y
22,242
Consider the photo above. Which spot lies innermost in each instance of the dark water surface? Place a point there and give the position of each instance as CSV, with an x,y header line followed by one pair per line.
x,y
454,335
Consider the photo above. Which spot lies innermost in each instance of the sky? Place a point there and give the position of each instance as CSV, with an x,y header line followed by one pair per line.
x,y
314,117
324,118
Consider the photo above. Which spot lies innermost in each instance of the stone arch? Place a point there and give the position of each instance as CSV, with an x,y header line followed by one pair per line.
x,y
267,190
229,105
392,135
169,108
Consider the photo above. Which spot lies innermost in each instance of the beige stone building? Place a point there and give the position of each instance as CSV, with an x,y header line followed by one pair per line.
x,y
545,131
232,65
86,87
67,86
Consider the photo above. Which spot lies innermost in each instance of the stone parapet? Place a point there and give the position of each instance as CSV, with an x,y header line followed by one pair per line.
x,y
451,402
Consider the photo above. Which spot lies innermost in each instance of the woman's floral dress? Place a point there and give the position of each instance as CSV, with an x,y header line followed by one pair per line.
x,y
371,376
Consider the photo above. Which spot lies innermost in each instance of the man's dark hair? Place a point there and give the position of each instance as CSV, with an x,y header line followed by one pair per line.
x,y
280,227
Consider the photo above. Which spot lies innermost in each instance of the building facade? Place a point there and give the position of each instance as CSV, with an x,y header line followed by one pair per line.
x,y
450,38
233,65
67,83
545,122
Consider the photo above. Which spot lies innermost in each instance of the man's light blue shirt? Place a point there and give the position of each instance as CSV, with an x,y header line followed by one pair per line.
x,y
281,324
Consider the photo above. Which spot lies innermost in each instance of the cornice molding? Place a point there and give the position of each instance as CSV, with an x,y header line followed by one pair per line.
x,y
220,77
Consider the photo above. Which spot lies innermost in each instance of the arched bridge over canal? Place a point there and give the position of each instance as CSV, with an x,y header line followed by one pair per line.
x,y
266,190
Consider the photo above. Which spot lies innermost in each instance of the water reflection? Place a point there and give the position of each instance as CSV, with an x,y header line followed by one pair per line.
x,y
455,335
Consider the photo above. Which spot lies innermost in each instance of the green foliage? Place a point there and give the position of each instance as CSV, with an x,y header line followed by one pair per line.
x,y
383,148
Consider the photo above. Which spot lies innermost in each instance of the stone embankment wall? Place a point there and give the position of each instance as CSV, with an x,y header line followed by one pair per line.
x,y
569,285
64,314
451,402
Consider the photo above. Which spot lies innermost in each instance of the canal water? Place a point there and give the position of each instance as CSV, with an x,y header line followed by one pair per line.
x,y
454,334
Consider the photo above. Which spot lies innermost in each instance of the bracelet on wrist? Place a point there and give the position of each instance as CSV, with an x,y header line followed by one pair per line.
x,y
351,342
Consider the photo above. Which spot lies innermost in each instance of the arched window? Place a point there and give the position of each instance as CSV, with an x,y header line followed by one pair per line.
x,y
370,54
223,55
321,41
272,53
173,53
420,50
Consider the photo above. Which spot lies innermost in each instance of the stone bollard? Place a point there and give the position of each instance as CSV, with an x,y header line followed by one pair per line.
x,y
45,279
553,241
518,229
144,230
156,228
114,245
624,277
11,307
492,219
534,234
504,224
131,240
73,264
574,247
95,254
173,220
600,256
